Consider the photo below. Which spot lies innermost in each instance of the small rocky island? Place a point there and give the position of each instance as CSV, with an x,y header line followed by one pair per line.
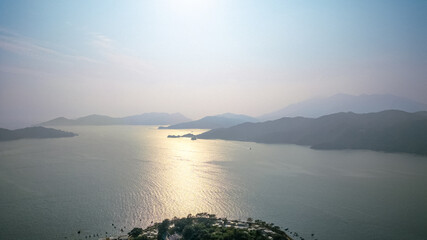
x,y
33,132
188,135
207,226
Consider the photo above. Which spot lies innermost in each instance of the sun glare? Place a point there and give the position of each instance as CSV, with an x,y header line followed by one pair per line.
x,y
190,8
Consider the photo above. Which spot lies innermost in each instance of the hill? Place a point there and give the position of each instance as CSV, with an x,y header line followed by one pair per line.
x,y
155,119
142,119
389,131
346,103
33,132
213,122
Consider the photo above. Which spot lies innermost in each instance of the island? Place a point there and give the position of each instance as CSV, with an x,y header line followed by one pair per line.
x,y
33,132
188,135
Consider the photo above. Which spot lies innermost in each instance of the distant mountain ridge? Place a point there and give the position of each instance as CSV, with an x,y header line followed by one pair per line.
x,y
142,119
213,122
346,103
389,131
33,132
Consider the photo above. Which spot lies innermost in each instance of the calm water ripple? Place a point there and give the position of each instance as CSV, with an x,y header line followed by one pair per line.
x,y
132,175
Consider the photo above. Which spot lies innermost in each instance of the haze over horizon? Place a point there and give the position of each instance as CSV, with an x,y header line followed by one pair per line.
x,y
74,58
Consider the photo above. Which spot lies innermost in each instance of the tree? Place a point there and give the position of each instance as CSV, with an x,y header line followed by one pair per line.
x,y
135,232
163,229
278,237
181,223
250,221
188,232
142,237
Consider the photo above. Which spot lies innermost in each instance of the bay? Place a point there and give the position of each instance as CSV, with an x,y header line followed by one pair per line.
x,y
130,176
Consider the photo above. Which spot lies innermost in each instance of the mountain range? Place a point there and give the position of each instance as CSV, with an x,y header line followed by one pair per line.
x,y
212,122
389,131
346,103
142,119
312,108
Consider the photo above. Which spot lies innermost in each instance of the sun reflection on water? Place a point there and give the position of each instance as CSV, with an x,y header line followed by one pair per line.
x,y
188,182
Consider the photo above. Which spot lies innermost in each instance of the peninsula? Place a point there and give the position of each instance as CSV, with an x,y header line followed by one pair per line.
x,y
388,131
208,226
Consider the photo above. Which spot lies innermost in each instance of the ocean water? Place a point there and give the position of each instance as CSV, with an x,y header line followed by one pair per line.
x,y
130,176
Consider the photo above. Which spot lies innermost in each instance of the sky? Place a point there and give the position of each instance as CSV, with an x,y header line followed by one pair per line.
x,y
120,58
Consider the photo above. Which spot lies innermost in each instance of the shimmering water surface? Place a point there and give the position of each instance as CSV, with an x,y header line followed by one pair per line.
x,y
132,175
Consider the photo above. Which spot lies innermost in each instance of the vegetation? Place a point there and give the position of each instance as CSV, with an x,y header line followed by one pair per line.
x,y
100,120
388,131
209,227
211,122
33,132
135,232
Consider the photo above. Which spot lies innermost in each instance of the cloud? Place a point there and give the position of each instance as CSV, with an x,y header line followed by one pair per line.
x,y
101,41
103,60
112,54
17,44
25,71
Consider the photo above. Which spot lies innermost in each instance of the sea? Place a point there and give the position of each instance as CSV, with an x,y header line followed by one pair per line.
x,y
110,179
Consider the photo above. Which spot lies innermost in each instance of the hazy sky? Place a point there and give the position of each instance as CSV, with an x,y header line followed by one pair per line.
x,y
118,58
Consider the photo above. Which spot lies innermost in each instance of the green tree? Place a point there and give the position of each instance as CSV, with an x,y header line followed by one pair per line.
x,y
188,232
135,232
143,237
163,229
181,223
